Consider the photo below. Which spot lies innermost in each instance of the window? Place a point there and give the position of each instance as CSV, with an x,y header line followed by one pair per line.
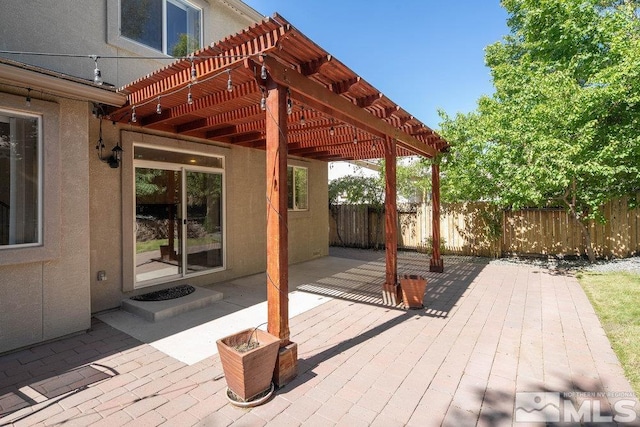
x,y
20,184
297,183
173,27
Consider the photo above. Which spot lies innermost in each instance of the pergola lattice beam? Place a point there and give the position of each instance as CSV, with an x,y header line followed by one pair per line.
x,y
324,100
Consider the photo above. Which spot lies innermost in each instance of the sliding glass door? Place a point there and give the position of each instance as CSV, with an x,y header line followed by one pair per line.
x,y
179,221
203,221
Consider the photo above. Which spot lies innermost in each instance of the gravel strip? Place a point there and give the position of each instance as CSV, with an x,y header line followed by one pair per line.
x,y
625,264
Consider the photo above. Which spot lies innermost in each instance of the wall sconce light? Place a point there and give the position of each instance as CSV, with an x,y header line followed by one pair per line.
x,y
115,158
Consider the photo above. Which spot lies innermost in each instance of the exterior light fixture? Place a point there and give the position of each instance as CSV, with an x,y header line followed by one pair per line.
x,y
115,158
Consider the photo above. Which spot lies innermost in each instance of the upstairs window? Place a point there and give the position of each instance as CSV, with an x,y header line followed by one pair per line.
x,y
297,185
173,27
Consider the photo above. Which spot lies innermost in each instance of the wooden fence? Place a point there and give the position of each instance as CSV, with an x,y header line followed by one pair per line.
x,y
480,229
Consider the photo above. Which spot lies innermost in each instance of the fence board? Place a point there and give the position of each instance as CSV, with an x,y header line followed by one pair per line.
x,y
464,229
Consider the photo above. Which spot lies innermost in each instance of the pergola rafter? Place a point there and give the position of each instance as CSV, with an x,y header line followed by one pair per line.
x,y
253,89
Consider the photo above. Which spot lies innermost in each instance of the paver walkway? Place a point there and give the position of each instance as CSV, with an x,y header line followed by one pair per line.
x,y
487,332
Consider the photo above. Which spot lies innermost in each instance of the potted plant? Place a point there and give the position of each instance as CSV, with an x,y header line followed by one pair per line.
x,y
413,287
248,360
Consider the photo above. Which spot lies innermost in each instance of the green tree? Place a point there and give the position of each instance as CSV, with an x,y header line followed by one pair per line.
x,y
356,190
563,127
413,178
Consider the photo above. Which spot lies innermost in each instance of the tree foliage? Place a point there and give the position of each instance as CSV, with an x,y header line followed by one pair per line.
x,y
563,127
414,179
357,190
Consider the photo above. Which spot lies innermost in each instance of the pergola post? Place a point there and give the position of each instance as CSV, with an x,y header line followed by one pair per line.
x,y
277,237
436,263
389,292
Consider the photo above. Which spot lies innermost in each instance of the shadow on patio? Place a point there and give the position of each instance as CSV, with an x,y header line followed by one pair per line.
x,y
60,368
363,284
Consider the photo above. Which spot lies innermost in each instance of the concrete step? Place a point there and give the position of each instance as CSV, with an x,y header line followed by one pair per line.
x,y
154,311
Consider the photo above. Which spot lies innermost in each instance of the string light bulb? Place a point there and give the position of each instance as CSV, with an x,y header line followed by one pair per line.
x,y
302,120
355,136
263,102
229,83
194,72
97,74
289,103
28,99
159,107
190,97
133,114
332,131
263,72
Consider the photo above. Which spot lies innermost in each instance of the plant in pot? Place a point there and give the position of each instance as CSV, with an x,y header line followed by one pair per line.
x,y
413,287
248,360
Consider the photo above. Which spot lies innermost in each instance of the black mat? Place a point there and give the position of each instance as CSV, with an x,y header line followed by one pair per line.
x,y
166,294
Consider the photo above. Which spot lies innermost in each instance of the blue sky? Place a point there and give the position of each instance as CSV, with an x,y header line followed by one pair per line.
x,y
422,54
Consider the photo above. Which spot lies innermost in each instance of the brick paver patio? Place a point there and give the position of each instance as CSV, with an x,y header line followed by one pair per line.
x,y
487,332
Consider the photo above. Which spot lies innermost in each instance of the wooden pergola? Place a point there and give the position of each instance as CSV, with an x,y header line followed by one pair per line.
x,y
270,87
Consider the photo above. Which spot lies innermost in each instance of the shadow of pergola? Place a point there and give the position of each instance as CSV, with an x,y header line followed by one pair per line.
x,y
363,284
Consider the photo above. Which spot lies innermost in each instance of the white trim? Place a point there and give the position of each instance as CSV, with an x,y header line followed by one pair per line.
x,y
114,38
293,188
183,168
13,114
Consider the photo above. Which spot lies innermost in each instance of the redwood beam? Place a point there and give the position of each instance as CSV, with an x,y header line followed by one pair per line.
x,y
277,238
436,263
313,67
318,97
389,292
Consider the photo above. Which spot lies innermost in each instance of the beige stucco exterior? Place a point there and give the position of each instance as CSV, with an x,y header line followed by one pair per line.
x,y
51,291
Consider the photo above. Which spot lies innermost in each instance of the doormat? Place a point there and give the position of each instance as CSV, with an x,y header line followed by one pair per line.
x,y
166,294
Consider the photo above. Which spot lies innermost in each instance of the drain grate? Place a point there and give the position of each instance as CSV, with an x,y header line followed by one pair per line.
x,y
166,294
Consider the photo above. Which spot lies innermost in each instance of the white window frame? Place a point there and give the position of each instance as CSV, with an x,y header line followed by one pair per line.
x,y
293,188
181,167
50,184
20,114
115,38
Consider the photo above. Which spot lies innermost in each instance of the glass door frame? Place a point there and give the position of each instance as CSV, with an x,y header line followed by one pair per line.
x,y
182,169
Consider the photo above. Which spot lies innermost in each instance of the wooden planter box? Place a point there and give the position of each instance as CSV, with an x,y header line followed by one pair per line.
x,y
250,373
413,287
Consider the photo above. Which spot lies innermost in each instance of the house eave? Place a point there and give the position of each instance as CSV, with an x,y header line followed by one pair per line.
x,y
37,79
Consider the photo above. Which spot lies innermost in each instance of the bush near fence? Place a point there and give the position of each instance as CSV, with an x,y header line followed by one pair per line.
x,y
482,230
